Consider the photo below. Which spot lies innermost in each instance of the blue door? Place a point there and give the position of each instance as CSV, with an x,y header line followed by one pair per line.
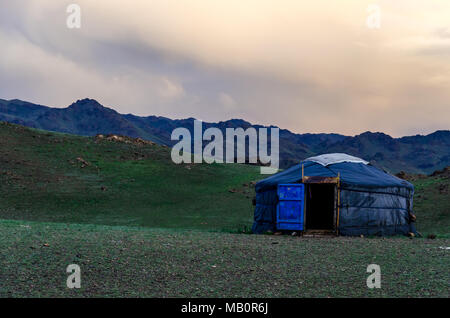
x,y
290,207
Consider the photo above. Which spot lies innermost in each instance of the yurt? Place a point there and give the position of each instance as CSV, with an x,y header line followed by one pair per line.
x,y
334,193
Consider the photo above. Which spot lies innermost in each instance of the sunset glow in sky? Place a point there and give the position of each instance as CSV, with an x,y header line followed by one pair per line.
x,y
307,66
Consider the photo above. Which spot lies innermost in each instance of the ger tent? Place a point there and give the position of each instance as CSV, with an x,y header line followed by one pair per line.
x,y
339,193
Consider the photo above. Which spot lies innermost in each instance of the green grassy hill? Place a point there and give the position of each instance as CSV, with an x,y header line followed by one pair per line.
x,y
432,202
56,177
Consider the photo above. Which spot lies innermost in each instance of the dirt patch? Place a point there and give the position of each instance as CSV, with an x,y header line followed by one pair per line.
x,y
83,162
444,173
247,189
124,139
410,177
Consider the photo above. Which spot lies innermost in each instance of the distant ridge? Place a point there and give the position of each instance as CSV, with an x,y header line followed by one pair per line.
x,y
87,117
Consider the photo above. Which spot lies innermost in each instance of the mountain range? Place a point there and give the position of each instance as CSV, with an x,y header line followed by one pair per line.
x,y
87,117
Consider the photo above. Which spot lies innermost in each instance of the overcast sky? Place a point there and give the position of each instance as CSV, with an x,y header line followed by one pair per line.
x,y
308,66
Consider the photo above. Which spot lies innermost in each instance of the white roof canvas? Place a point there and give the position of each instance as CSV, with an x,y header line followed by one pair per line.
x,y
332,158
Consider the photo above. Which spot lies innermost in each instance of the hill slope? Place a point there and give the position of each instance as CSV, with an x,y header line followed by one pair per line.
x,y
47,176
64,178
432,202
414,154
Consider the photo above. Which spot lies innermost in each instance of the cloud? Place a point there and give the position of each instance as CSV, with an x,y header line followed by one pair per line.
x,y
305,66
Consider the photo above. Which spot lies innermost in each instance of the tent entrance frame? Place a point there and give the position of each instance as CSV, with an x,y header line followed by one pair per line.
x,y
314,180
